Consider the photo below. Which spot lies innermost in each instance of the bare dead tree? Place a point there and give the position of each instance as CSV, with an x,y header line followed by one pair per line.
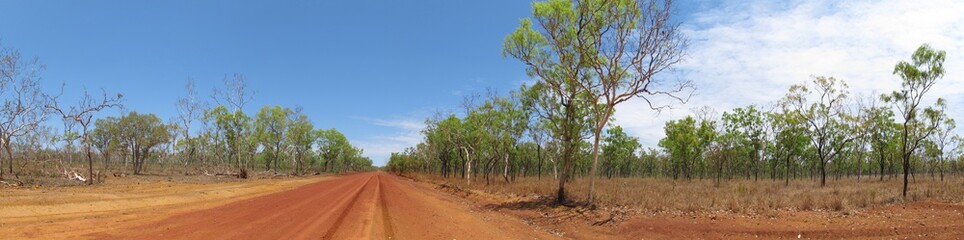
x,y
236,95
468,103
23,104
189,108
83,114
235,92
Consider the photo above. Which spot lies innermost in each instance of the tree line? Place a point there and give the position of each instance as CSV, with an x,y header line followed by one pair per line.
x,y
228,141
589,56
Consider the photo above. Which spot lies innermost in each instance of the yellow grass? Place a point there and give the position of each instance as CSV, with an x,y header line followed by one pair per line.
x,y
739,196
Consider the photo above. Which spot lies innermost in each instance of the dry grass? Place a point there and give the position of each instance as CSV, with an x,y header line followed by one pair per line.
x,y
658,195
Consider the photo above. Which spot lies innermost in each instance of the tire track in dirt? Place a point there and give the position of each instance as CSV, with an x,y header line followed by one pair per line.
x,y
344,212
386,218
359,206
305,230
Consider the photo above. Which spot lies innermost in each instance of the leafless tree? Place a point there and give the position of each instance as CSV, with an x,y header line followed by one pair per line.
x,y
235,92
189,108
23,102
83,114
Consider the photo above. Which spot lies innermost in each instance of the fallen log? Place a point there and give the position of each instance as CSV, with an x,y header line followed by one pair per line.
x,y
72,175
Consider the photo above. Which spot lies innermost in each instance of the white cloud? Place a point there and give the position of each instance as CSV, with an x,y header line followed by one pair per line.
x,y
406,132
751,52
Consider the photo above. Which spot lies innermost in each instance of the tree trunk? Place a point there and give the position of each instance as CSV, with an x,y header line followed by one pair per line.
x,y
90,165
569,147
6,146
505,169
539,156
595,161
788,171
823,172
906,157
468,167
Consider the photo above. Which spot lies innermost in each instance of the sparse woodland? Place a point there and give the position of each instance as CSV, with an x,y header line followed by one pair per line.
x,y
589,56
48,139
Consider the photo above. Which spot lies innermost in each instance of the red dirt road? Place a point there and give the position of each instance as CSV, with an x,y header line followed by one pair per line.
x,y
359,206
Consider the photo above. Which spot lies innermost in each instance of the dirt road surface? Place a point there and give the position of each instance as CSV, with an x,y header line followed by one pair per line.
x,y
359,206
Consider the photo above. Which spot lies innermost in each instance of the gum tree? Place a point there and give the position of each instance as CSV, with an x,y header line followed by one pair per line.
x,y
820,106
918,77
23,108
141,134
626,44
270,131
595,55
83,114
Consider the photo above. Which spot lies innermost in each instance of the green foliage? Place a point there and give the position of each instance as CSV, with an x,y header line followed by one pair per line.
x,y
919,76
233,129
686,142
141,134
619,152
337,154
270,129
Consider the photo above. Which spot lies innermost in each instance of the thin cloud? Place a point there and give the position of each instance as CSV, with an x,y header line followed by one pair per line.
x,y
404,133
751,52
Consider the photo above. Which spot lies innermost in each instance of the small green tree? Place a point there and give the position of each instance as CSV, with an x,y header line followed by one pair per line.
x,y
234,129
140,134
826,119
686,142
106,137
619,151
270,131
300,137
790,138
919,76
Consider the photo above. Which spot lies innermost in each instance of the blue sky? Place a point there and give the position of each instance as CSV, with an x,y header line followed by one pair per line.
x,y
376,70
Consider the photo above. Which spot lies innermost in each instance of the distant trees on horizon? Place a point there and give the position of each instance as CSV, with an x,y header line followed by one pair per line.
x,y
229,141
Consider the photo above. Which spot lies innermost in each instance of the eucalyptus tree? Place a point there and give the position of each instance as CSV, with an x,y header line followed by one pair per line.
x,y
23,108
510,122
748,127
604,52
106,137
880,130
483,132
918,77
83,114
820,106
232,128
626,44
141,134
686,142
443,136
334,149
551,56
538,135
790,138
619,152
270,131
470,134
943,139
189,109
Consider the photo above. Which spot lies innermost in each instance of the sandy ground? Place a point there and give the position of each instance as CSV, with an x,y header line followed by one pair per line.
x,y
383,206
